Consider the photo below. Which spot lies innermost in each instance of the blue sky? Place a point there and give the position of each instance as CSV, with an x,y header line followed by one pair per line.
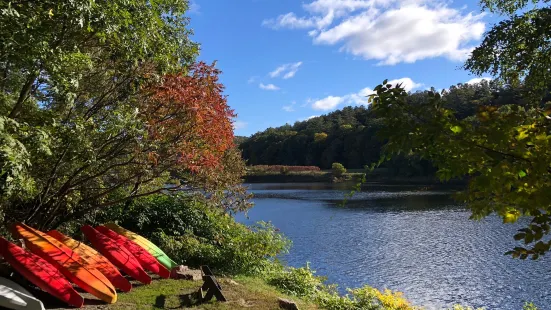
x,y
285,61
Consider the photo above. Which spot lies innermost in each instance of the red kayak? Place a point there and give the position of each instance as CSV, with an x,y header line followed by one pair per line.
x,y
97,260
70,264
40,273
147,260
117,254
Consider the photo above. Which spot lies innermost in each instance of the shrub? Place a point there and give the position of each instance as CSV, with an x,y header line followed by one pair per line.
x,y
302,282
338,169
371,298
193,233
298,282
280,168
529,306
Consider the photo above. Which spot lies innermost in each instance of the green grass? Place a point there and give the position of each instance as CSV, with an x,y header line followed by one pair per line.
x,y
249,293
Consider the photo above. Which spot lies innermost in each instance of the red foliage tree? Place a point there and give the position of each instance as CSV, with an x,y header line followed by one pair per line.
x,y
189,120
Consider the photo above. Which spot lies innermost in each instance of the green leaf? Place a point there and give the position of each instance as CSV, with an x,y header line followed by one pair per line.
x,y
522,174
456,129
511,217
519,236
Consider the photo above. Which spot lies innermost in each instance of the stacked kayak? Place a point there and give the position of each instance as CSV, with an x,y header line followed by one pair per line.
x,y
147,261
14,296
74,268
52,261
116,253
96,259
40,273
145,244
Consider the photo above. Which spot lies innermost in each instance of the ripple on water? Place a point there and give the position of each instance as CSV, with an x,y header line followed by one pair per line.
x,y
420,243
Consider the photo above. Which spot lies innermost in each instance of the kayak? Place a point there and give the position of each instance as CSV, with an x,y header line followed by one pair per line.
x,y
69,263
116,253
40,273
14,296
98,261
147,261
145,244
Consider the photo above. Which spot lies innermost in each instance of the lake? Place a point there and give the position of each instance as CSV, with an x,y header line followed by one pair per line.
x,y
419,242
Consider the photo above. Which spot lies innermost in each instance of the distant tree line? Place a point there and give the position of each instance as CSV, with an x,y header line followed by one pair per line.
x,y
351,136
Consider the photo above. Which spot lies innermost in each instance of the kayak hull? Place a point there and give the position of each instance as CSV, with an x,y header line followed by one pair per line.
x,y
40,273
145,244
14,296
147,261
97,260
116,253
69,263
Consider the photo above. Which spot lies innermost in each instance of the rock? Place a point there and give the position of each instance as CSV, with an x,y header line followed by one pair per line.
x,y
232,282
287,304
185,273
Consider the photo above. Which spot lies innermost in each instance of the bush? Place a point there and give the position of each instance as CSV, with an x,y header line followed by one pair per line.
x,y
302,282
529,306
280,168
194,234
338,170
299,282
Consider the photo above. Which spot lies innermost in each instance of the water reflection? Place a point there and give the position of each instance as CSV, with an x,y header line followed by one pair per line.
x,y
416,241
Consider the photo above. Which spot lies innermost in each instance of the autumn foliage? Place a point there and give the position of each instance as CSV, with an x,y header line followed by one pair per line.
x,y
190,117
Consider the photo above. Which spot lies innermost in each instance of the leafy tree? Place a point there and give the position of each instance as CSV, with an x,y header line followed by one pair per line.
x,y
338,169
100,103
320,136
503,148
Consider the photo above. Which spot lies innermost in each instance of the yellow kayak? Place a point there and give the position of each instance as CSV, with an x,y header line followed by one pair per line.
x,y
145,244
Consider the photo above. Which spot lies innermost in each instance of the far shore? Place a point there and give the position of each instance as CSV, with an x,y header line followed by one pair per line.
x,y
354,177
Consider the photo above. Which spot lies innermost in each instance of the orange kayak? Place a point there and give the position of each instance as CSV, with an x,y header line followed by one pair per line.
x,y
116,253
40,273
69,263
96,259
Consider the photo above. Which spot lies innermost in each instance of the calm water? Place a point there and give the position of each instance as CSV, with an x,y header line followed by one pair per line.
x,y
417,242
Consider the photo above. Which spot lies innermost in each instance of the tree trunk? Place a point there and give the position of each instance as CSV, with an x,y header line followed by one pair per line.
x,y
25,91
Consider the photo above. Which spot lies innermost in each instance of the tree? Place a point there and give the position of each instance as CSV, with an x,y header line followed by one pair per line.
x,y
102,102
320,136
338,170
504,148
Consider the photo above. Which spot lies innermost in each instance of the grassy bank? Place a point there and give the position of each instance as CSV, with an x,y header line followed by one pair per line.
x,y
241,293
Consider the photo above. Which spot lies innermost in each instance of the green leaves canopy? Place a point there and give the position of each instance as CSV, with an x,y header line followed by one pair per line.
x,y
505,148
72,77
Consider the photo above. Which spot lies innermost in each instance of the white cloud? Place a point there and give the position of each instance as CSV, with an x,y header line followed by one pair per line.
x,y
359,98
268,86
327,103
392,31
478,80
289,108
239,125
286,70
252,79
194,8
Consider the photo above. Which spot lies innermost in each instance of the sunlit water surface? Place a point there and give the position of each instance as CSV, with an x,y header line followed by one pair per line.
x,y
419,242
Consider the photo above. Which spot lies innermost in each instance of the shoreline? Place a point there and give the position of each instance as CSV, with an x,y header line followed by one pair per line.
x,y
352,178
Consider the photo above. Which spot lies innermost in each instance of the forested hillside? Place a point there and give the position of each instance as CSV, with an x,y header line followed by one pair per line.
x,y
350,136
